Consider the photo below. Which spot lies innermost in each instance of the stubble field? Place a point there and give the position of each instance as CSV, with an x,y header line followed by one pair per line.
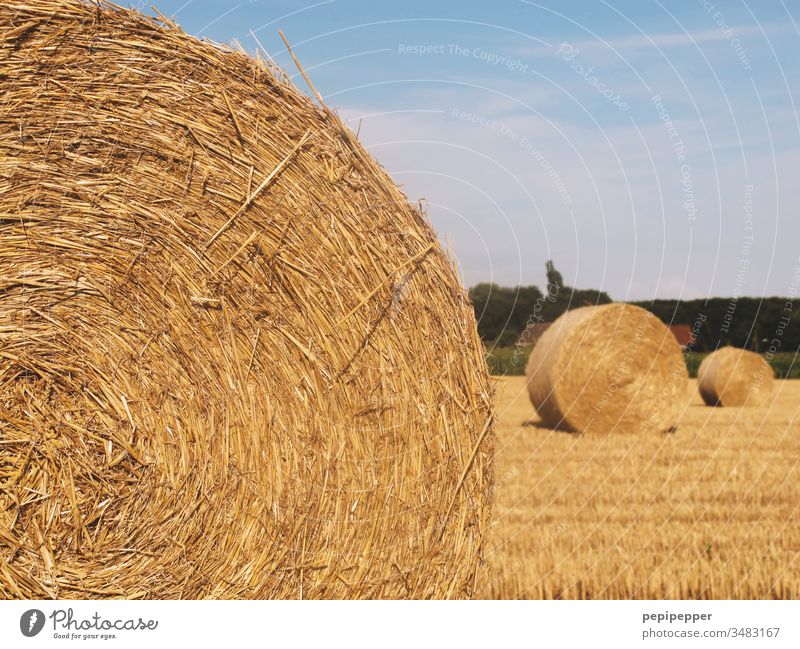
x,y
709,511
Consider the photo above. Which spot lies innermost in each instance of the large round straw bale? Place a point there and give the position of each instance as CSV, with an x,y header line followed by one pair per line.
x,y
607,368
233,361
735,377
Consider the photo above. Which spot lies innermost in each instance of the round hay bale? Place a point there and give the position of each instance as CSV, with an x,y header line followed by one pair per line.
x,y
735,377
607,368
234,362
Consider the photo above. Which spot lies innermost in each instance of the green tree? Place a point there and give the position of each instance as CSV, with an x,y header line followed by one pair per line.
x,y
503,313
554,280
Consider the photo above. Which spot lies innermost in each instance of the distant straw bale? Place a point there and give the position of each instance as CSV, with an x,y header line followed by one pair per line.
x,y
608,368
234,362
735,377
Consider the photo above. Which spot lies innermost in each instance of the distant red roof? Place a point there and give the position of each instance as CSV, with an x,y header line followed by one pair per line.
x,y
682,333
533,332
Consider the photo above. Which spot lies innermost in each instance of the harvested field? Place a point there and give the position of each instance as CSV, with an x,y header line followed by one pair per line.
x,y
707,512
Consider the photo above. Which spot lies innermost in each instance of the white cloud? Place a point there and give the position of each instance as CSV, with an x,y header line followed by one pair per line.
x,y
662,40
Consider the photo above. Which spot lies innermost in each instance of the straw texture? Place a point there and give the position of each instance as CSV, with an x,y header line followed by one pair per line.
x,y
234,363
607,368
735,377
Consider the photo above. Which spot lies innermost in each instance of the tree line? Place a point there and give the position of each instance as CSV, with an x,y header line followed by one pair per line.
x,y
767,325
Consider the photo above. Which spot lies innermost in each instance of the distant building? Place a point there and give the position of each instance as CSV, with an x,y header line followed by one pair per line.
x,y
533,332
682,333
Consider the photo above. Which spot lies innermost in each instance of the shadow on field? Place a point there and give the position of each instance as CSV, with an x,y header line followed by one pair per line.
x,y
538,424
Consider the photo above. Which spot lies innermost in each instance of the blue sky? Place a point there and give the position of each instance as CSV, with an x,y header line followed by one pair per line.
x,y
650,148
